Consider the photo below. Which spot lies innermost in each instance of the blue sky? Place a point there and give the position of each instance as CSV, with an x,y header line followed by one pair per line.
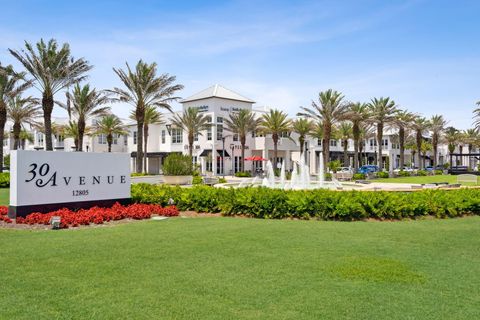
x,y
423,54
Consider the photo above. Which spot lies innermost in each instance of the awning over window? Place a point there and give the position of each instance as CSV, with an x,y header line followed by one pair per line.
x,y
205,153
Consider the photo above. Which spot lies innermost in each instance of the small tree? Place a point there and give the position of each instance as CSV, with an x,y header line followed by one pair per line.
x,y
110,125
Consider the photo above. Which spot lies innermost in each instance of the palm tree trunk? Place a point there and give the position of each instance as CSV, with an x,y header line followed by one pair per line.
x,y
275,149
3,121
145,138
139,159
435,149
327,131
190,144
419,147
356,140
109,142
301,140
47,106
379,141
81,132
242,143
401,138
16,135
345,153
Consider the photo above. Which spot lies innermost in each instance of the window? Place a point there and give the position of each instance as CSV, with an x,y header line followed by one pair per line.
x,y
319,142
60,138
134,137
333,143
40,139
219,120
177,135
219,131
284,134
385,143
195,136
235,137
209,129
373,142
163,136
102,139
115,138
125,140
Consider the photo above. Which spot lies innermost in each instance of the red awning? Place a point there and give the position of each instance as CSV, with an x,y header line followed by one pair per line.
x,y
256,158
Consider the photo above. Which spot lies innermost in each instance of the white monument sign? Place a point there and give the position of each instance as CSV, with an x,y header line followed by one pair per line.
x,y
42,181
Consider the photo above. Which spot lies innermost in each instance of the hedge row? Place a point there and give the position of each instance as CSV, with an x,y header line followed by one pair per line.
x,y
318,204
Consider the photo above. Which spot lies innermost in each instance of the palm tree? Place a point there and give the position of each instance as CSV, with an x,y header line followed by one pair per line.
x,y
70,130
402,121
276,123
329,110
52,69
24,137
356,114
192,122
241,123
476,117
11,85
110,125
437,125
303,127
424,148
452,137
366,132
85,103
471,137
345,132
419,126
22,111
144,88
152,116
382,112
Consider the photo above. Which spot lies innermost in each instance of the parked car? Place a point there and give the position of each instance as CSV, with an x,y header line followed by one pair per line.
x,y
429,168
368,169
345,169
407,169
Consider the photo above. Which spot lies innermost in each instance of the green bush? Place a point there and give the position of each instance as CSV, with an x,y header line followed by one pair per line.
x,y
334,165
135,174
403,173
314,204
197,180
222,180
243,174
177,164
6,160
5,180
422,173
438,172
328,176
359,176
382,174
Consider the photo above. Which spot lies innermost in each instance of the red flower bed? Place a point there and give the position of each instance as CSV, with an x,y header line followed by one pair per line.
x,y
4,215
97,215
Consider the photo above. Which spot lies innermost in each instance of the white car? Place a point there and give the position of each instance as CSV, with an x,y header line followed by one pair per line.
x,y
345,170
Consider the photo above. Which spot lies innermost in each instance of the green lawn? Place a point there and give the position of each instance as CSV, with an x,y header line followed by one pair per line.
x,y
4,196
227,268
425,179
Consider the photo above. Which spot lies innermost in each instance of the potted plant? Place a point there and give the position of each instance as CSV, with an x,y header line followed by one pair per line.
x,y
178,169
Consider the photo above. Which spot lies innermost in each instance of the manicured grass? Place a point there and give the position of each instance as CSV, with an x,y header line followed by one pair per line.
x,y
423,179
4,196
227,268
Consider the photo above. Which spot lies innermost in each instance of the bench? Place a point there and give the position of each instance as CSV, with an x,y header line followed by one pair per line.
x,y
467,178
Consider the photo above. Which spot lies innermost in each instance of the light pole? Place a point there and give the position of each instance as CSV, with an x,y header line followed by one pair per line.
x,y
232,146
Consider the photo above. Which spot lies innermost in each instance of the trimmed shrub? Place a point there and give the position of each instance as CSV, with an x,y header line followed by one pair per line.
x,y
222,180
177,164
313,204
403,173
243,174
328,176
382,174
438,172
5,180
422,173
197,180
359,176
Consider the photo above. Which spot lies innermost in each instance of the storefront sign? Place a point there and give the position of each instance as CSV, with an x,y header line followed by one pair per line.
x,y
42,181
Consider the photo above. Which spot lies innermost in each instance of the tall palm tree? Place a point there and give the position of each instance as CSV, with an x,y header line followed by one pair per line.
x,y
70,130
85,103
303,127
12,84
144,88
402,121
452,137
356,114
110,125
22,111
345,132
152,116
329,110
410,144
276,123
366,132
241,123
382,112
192,122
24,137
53,69
424,148
471,137
476,117
419,125
437,125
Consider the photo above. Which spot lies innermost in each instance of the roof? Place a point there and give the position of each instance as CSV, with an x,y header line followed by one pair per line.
x,y
218,91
